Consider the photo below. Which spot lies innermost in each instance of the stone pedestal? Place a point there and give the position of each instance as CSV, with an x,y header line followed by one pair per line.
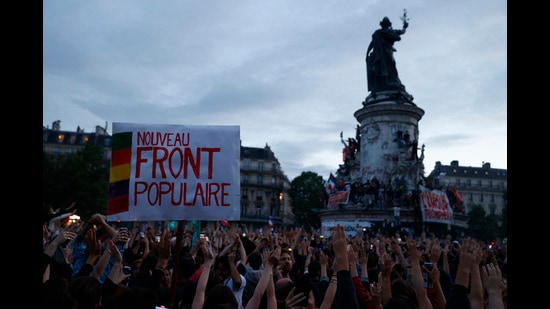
x,y
389,147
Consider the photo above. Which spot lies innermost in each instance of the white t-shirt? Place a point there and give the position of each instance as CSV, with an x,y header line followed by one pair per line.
x,y
396,211
237,292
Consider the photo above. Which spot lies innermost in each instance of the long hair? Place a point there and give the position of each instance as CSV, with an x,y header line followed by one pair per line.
x,y
220,296
403,296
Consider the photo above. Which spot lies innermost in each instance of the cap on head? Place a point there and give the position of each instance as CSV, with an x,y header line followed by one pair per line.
x,y
385,22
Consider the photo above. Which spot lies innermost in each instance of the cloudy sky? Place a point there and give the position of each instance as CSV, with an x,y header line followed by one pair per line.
x,y
290,73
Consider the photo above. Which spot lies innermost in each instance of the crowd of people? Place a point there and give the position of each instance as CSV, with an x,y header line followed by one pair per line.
x,y
105,265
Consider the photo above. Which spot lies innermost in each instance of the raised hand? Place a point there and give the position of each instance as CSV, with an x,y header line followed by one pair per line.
x,y
340,247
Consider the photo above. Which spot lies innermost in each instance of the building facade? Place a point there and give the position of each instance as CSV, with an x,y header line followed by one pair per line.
x,y
484,186
264,186
61,143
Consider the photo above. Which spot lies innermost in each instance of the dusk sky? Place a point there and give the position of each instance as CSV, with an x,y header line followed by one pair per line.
x,y
291,74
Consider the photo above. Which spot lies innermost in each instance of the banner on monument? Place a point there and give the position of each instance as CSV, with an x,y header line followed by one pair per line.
x,y
435,206
338,197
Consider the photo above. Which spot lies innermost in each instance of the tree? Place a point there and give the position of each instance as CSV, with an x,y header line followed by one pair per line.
x,y
81,177
504,216
306,192
480,225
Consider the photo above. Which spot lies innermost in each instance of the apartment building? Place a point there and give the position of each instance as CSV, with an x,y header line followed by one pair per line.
x,y
482,186
264,188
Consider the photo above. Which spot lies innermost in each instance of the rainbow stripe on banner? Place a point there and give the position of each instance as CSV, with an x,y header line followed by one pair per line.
x,y
119,178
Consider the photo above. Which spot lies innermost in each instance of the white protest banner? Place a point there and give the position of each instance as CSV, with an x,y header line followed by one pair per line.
x,y
435,206
174,172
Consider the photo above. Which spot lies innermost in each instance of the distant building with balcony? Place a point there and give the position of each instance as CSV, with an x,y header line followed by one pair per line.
x,y
264,186
482,186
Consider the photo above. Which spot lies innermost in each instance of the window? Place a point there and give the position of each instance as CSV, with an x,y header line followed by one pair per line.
x,y
246,180
246,164
468,183
490,184
457,182
470,197
260,179
261,166
492,198
479,183
481,197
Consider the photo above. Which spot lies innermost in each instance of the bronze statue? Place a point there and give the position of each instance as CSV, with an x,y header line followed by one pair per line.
x,y
381,69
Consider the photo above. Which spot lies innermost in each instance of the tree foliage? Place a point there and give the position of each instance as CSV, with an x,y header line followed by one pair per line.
x,y
504,216
81,177
482,226
306,192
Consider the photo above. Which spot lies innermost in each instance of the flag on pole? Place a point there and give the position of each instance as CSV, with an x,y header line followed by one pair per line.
x,y
330,184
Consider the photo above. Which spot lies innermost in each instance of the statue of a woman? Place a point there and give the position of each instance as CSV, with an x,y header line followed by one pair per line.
x,y
381,69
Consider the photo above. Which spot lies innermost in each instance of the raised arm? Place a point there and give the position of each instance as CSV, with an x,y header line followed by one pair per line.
x,y
235,275
102,262
396,248
345,291
491,276
435,275
200,292
50,249
309,258
384,277
101,221
459,296
242,251
416,272
271,258
164,249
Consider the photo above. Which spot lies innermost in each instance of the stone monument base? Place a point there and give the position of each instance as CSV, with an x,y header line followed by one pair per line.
x,y
393,96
